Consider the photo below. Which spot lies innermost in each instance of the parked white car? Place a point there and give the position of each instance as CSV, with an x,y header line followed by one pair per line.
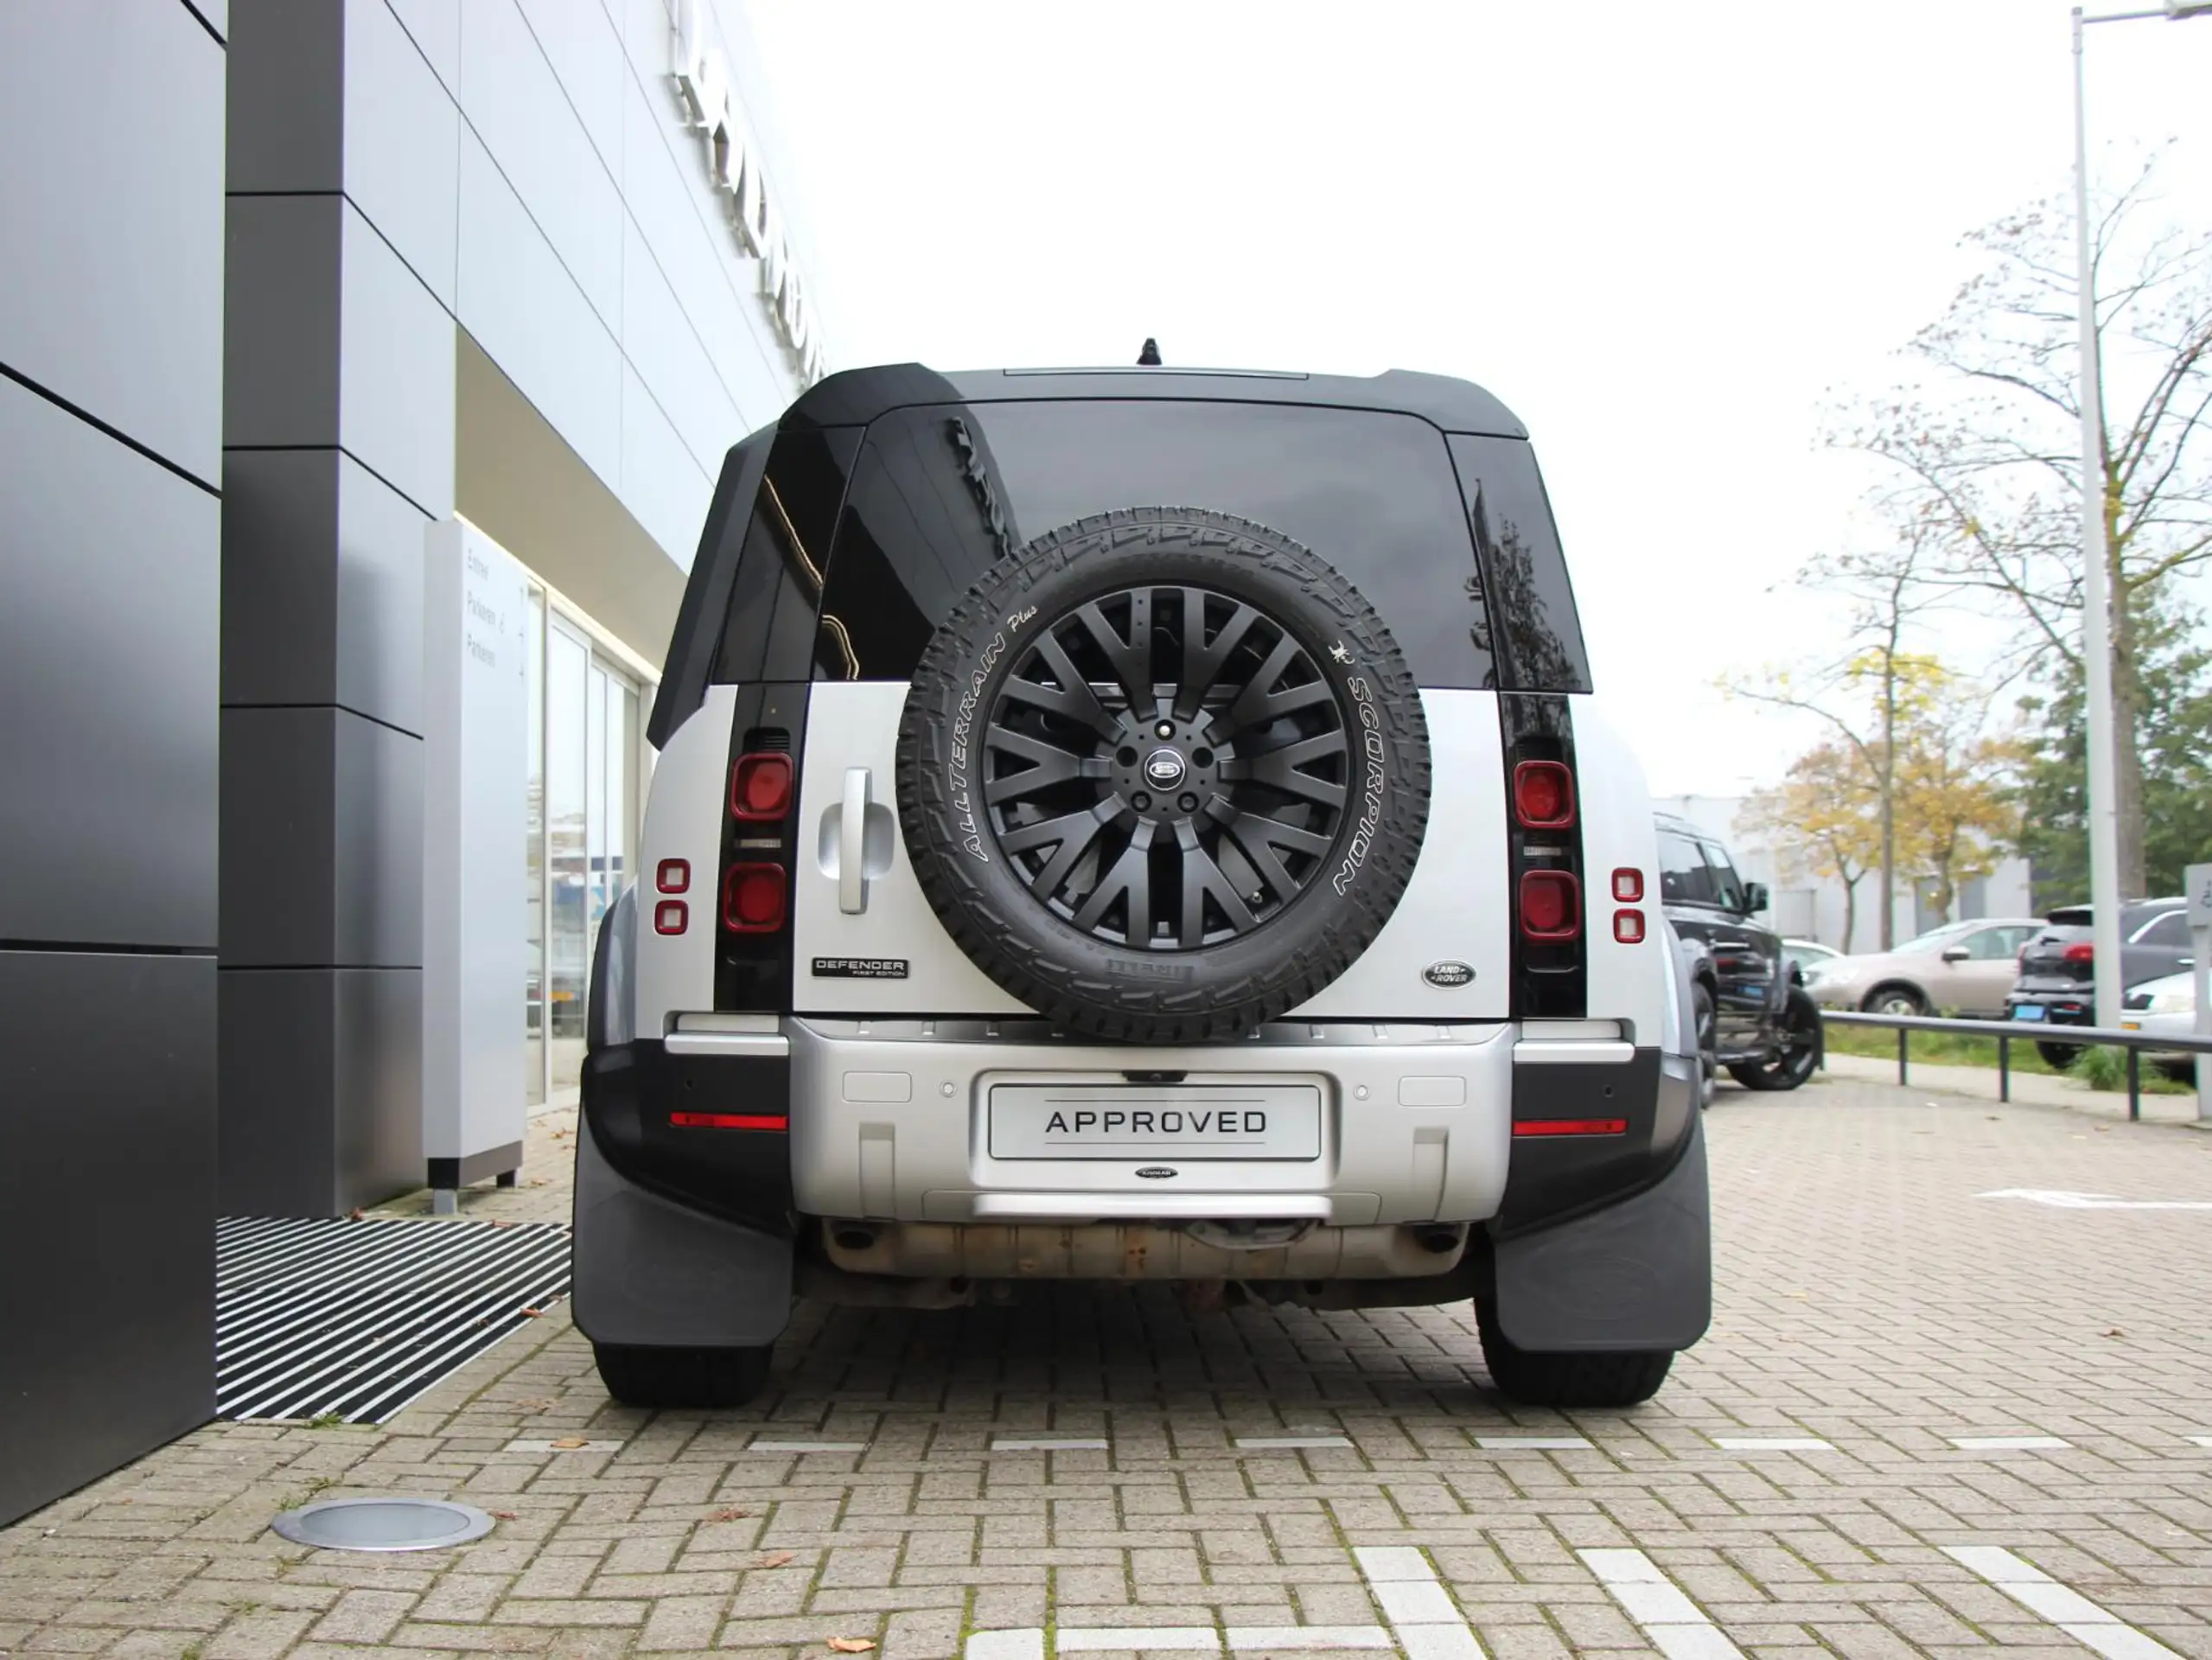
x,y
2165,1006
1961,968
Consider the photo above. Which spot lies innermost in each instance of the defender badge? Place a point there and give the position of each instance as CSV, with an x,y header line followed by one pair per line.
x,y
1156,1172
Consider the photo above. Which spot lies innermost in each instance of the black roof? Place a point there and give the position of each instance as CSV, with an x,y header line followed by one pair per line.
x,y
856,396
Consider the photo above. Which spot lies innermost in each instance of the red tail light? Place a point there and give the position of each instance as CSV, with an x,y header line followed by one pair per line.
x,y
760,787
1627,885
1544,794
1627,926
1570,1127
671,916
674,876
753,898
1550,905
775,1121
2082,953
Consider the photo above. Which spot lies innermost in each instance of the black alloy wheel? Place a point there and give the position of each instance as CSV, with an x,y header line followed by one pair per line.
x,y
1167,767
1797,1050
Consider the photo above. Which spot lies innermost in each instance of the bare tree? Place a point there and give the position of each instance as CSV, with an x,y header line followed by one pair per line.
x,y
1987,457
1860,694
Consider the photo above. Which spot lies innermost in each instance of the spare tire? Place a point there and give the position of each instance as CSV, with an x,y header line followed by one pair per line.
x,y
1163,774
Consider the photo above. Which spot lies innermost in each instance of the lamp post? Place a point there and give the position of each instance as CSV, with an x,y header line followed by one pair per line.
x,y
2096,599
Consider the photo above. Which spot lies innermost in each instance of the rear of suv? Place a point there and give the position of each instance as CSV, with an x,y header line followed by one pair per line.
x,y
2057,982
1134,826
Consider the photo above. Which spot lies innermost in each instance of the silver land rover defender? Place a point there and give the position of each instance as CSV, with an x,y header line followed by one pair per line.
x,y
1139,825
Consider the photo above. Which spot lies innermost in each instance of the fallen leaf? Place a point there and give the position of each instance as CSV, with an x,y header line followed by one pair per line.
x,y
2115,1332
570,1443
537,1181
496,1222
507,1516
729,1515
534,1312
776,1559
534,1405
354,1215
852,1644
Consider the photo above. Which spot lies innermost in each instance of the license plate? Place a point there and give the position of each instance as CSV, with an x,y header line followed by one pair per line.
x,y
1190,1122
2028,1011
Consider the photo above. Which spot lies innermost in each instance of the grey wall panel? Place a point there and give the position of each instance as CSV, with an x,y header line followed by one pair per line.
x,y
378,1083
107,1142
279,838
108,620
516,105
114,225
661,344
434,26
278,1144
280,321
377,849
323,585
285,127
403,138
521,307
666,490
396,388
579,40
373,373
323,842
321,1073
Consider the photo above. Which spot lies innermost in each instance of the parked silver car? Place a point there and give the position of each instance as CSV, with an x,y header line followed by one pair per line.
x,y
1964,968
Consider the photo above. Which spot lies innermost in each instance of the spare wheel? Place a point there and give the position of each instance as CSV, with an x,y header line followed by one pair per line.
x,y
1163,774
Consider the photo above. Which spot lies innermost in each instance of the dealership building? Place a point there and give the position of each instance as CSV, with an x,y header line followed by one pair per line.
x,y
366,367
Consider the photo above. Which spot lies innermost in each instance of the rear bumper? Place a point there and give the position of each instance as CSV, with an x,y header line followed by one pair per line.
x,y
891,1121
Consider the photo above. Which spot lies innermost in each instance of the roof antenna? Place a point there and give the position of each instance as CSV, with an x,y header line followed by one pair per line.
x,y
1149,357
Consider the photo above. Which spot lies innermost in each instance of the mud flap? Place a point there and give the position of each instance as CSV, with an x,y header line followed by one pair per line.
x,y
1636,1275
654,1274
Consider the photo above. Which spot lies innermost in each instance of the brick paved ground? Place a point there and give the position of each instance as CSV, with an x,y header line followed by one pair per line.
x,y
1866,1296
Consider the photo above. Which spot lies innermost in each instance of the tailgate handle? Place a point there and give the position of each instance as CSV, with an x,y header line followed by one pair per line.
x,y
852,843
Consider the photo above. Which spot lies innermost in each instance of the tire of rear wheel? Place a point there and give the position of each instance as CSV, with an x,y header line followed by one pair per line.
x,y
1081,982
1914,1003
682,1377
1785,1071
1623,1379
1708,1041
2060,1056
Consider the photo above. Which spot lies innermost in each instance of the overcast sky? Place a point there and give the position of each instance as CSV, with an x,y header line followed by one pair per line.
x,y
1663,234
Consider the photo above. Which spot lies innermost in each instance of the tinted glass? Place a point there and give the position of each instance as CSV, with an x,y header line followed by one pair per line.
x,y
2172,929
940,493
1934,937
775,593
1535,629
1995,944
1684,876
1726,889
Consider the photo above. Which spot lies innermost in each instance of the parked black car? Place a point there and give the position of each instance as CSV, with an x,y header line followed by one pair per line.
x,y
1754,1015
2058,966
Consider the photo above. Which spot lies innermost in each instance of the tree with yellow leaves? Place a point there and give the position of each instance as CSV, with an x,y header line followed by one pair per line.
x,y
1824,810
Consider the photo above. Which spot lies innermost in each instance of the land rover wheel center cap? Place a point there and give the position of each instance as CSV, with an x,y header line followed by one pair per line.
x,y
1163,768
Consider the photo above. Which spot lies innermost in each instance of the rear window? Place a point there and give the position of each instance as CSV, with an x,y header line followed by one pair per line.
x,y
939,494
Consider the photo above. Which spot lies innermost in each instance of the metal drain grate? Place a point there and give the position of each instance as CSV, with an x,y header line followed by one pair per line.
x,y
357,1318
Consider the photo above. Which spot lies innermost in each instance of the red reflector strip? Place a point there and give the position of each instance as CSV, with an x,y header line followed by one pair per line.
x,y
1570,1127
730,1121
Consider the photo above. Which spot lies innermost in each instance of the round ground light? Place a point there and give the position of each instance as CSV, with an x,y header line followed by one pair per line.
x,y
383,1524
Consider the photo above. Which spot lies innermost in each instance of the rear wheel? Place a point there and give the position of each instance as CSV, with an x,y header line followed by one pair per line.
x,y
2060,1056
1708,1042
682,1377
1894,999
1535,1379
1798,1047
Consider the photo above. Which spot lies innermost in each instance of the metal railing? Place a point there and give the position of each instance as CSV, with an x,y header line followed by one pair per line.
x,y
2005,1031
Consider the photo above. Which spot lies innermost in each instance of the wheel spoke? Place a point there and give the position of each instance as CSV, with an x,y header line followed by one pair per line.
x,y
1131,659
1072,698
1201,876
1131,875
1074,832
1279,769
1053,765
1202,662
1259,837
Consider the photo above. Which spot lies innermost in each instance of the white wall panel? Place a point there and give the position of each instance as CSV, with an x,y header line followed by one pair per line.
x,y
668,355
664,488
514,102
402,145
578,39
519,302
